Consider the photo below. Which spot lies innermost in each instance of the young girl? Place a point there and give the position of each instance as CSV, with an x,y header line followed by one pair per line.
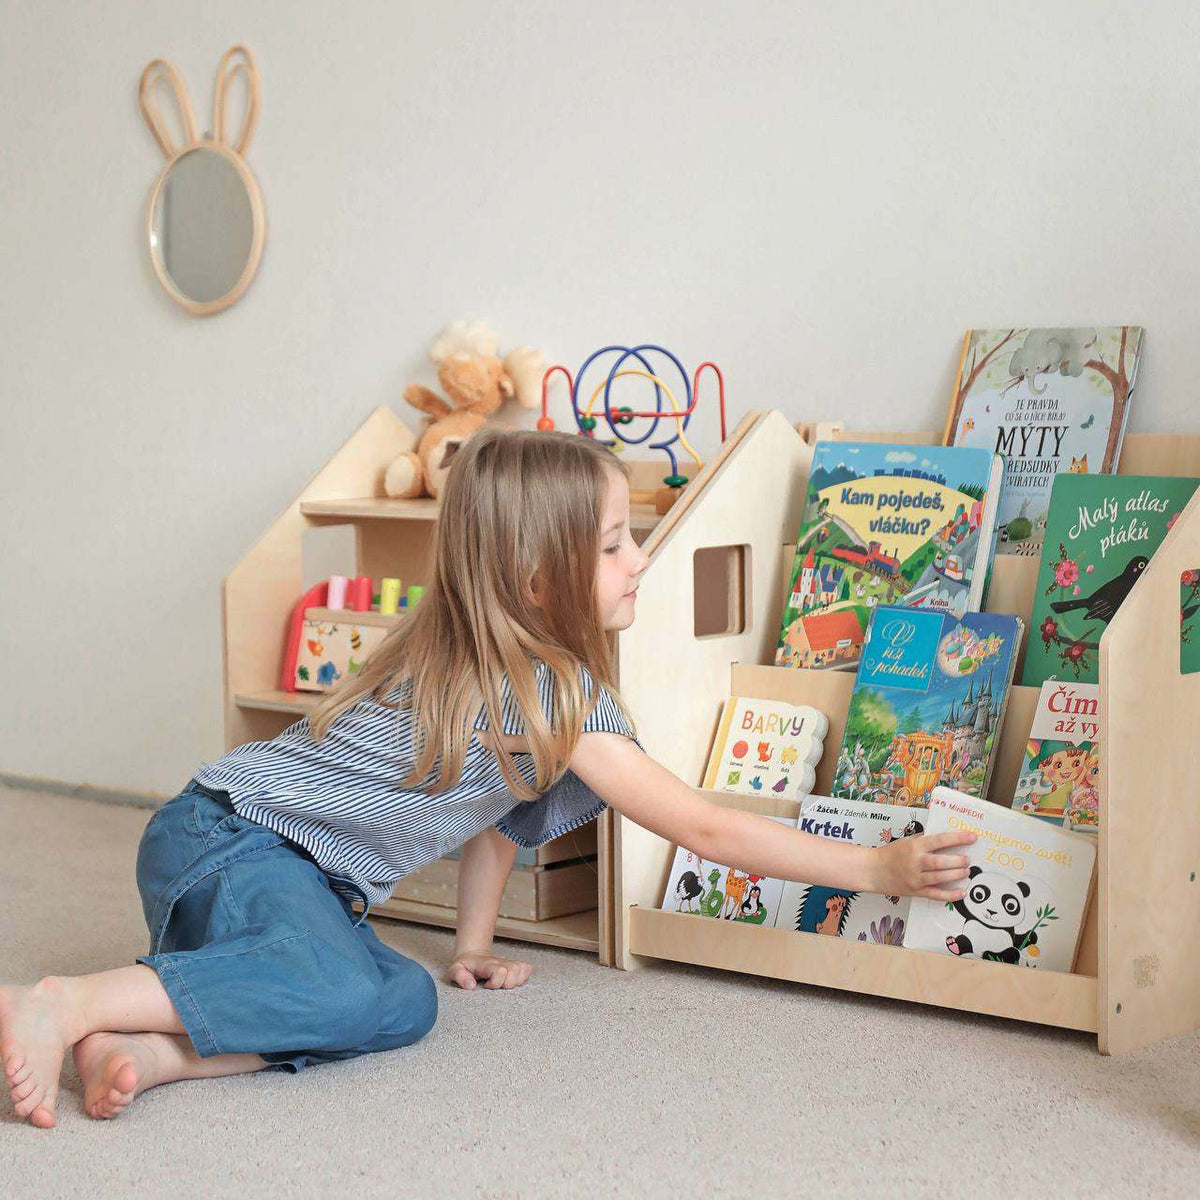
x,y
489,720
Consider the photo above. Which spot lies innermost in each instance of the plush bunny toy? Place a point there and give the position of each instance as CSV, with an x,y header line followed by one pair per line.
x,y
477,383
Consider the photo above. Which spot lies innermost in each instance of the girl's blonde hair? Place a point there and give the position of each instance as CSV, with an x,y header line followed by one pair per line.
x,y
520,510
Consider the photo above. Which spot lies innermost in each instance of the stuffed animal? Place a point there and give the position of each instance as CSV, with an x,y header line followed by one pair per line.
x,y
477,383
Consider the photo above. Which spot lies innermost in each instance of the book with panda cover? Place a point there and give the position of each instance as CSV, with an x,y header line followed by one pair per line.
x,y
1027,893
1049,400
906,525
1101,533
711,889
840,912
1060,771
927,705
767,747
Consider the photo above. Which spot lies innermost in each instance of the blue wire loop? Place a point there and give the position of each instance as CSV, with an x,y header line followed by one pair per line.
x,y
636,352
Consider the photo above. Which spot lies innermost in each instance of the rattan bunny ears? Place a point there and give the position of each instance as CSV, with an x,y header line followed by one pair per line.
x,y
205,225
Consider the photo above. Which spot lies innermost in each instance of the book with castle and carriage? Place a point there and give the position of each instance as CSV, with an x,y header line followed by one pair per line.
x,y
1048,400
927,705
767,747
886,524
711,889
1101,532
1026,895
840,912
1060,772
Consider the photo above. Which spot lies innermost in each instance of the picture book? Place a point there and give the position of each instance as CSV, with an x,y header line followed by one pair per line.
x,y
927,705
1100,535
886,524
1049,400
838,912
1060,773
766,746
708,889
1027,893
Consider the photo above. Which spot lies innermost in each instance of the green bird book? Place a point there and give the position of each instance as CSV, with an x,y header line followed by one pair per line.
x,y
1101,532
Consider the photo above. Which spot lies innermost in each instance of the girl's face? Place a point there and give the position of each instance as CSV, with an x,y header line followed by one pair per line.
x,y
621,562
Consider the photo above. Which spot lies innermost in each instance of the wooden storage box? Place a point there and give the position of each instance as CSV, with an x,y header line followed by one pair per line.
x,y
1137,978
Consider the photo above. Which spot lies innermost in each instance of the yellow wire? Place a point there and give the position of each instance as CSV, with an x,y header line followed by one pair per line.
x,y
670,395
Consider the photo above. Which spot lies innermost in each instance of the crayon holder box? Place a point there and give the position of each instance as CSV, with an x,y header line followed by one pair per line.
x,y
1136,977
334,643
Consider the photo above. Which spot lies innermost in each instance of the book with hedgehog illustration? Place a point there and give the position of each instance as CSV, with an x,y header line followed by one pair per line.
x,y
927,705
1027,893
886,524
1101,533
840,912
709,889
1049,400
766,747
1060,771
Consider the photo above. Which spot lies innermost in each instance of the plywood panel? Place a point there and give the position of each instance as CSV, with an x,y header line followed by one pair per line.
x,y
1149,818
1047,997
751,494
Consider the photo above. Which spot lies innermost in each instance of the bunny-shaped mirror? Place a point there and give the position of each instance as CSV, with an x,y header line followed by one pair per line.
x,y
204,222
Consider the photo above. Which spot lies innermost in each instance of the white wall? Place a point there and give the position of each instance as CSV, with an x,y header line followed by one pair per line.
x,y
822,197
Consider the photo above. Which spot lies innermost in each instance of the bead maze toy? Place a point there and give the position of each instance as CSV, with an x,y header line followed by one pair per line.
x,y
618,417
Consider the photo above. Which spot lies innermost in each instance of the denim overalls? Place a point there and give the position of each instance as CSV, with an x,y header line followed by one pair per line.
x,y
258,953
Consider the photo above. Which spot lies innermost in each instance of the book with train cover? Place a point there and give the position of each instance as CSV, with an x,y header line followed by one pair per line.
x,y
904,525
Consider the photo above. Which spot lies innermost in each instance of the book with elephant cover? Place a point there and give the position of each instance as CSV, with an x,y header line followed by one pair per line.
x,y
767,747
840,912
927,705
1101,533
1060,770
1049,400
1027,893
709,889
907,525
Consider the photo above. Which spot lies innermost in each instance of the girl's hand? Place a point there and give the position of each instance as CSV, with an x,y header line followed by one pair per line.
x,y
471,968
912,867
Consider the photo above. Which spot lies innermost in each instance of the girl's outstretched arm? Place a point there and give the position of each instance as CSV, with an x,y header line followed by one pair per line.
x,y
631,782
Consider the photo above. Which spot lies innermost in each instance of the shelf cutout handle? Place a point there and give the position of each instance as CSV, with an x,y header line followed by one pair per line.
x,y
720,590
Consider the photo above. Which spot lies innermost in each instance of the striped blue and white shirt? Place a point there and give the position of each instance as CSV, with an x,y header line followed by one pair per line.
x,y
341,799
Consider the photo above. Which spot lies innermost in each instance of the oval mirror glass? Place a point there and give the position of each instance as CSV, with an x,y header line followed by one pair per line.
x,y
203,225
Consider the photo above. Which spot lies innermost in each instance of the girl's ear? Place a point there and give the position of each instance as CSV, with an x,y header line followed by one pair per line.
x,y
236,61
161,71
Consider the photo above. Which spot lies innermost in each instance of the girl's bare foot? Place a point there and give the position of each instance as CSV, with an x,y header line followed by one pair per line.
x,y
115,1067
37,1024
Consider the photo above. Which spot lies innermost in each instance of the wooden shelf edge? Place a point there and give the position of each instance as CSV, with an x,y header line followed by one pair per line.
x,y
577,931
994,989
384,508
295,703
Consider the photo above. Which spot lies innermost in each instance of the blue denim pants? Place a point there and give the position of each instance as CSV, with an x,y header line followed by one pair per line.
x,y
258,953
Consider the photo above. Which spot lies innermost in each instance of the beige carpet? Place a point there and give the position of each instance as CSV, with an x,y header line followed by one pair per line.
x,y
670,1081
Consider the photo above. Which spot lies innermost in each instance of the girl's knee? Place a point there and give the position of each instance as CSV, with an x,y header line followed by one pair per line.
x,y
410,1005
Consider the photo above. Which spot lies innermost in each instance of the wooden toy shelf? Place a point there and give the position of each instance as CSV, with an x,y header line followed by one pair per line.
x,y
394,538
1136,977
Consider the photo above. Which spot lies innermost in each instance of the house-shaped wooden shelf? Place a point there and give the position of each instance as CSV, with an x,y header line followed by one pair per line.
x,y
1137,978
